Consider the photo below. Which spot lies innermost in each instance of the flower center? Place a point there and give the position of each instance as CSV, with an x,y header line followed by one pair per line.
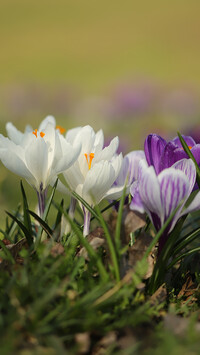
x,y
89,160
61,129
35,132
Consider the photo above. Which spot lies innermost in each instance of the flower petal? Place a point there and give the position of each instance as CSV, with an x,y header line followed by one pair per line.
x,y
136,202
189,140
153,148
108,152
13,133
98,181
174,188
149,190
188,167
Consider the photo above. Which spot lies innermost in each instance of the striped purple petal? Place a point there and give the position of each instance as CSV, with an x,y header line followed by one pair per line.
x,y
174,188
153,148
149,189
136,202
187,166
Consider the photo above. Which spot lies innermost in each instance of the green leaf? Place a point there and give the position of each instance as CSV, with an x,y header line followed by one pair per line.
x,y
183,242
43,224
49,201
27,219
27,234
59,214
84,203
191,156
92,254
189,252
7,252
119,219
45,214
110,244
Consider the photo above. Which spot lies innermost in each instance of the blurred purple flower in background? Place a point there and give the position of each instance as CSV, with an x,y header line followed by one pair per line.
x,y
133,100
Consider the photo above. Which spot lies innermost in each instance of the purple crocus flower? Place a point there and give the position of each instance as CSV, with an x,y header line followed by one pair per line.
x,y
162,154
129,172
159,195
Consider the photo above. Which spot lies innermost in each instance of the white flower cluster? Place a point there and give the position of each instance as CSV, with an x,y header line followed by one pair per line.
x,y
91,170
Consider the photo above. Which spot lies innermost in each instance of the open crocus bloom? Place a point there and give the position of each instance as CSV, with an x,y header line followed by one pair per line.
x,y
16,136
162,155
38,156
94,172
159,195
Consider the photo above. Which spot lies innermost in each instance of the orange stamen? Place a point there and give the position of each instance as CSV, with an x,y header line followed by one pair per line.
x,y
35,132
61,129
89,162
189,146
42,134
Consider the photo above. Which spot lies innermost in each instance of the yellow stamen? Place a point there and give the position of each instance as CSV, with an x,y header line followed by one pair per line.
x,y
35,132
42,134
61,129
89,162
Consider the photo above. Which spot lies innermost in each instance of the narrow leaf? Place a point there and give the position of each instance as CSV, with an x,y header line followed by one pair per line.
x,y
43,224
27,220
27,234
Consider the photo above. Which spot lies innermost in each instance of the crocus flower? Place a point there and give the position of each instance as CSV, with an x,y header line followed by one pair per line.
x,y
162,154
38,156
129,171
94,172
159,195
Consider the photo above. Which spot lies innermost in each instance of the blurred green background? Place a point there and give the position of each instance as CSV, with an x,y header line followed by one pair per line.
x,y
130,67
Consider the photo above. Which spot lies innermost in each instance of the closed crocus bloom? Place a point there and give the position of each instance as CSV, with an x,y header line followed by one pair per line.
x,y
94,172
128,173
38,156
161,154
159,195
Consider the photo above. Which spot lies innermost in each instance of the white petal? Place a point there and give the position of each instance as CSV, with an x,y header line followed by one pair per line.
x,y
71,134
15,164
48,120
108,152
36,156
98,181
99,141
13,133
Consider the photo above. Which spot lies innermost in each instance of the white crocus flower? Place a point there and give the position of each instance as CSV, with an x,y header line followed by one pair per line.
x,y
16,136
94,172
38,156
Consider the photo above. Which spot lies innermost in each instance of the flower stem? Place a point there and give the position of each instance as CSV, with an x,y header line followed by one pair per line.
x,y
87,216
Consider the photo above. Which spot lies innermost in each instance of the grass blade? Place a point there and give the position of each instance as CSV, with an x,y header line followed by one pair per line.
x,y
27,219
27,234
110,244
92,254
43,224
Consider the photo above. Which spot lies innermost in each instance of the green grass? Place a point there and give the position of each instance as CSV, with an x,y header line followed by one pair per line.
x,y
51,298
